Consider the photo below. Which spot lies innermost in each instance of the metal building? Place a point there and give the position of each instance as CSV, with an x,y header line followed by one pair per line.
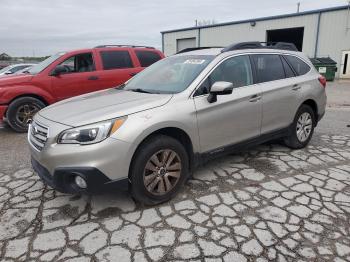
x,y
318,33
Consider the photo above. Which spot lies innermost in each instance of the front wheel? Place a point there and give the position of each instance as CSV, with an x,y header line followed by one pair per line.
x,y
159,169
21,111
302,129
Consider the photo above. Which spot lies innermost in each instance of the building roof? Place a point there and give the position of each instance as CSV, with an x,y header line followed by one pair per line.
x,y
330,9
4,55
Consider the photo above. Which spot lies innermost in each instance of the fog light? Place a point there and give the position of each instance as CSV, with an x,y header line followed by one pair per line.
x,y
80,182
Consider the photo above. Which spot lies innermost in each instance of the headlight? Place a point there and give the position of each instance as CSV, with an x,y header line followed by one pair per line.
x,y
90,134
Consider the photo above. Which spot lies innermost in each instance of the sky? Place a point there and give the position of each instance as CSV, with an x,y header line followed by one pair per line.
x,y
44,27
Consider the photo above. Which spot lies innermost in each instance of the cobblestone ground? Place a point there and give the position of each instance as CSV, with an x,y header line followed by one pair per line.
x,y
268,203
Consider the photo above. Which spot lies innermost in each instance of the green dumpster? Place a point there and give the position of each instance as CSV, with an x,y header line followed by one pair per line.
x,y
326,66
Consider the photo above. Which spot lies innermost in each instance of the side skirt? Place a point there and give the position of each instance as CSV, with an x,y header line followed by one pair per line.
x,y
202,158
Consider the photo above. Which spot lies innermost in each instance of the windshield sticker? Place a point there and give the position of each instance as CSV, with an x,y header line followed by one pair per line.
x,y
194,61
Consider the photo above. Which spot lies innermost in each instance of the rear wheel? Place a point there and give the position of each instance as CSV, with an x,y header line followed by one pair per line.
x,y
159,169
21,111
302,128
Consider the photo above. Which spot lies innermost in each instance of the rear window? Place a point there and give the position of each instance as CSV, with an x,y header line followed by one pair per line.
x,y
147,58
268,67
299,66
116,60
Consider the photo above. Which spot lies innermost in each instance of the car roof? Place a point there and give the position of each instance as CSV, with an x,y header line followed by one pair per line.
x,y
121,47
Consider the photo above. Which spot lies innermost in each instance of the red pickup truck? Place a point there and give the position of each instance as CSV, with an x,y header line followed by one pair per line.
x,y
68,74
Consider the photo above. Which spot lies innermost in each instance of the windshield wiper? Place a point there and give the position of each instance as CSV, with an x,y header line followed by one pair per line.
x,y
140,90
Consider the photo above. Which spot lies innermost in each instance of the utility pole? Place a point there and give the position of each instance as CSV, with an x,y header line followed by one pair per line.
x,y
298,7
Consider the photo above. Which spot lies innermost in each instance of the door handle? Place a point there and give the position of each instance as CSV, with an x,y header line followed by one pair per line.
x,y
93,78
296,87
254,98
133,74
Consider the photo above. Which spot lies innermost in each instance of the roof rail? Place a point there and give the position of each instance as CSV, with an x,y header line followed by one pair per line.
x,y
259,45
132,46
196,48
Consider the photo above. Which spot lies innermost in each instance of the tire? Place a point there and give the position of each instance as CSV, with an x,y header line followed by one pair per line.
x,y
144,172
305,121
21,111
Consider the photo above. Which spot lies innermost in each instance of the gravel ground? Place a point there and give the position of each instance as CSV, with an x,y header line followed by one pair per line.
x,y
267,203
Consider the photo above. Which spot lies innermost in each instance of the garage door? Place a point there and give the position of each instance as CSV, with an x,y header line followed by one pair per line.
x,y
184,43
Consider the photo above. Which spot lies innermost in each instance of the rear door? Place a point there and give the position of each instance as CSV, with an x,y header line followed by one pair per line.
x,y
232,118
117,67
80,77
278,97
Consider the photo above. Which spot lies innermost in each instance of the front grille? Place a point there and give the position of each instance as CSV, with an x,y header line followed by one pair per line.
x,y
37,135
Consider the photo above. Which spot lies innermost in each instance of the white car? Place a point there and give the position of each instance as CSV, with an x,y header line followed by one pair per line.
x,y
11,69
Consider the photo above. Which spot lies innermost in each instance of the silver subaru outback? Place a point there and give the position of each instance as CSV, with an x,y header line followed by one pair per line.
x,y
150,133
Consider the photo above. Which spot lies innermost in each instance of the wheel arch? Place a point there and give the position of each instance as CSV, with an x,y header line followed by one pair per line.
x,y
176,133
312,103
39,97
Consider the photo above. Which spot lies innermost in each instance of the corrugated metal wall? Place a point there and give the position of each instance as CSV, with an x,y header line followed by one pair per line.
x,y
245,32
333,35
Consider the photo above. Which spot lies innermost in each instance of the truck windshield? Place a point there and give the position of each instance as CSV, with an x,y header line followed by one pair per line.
x,y
41,66
170,75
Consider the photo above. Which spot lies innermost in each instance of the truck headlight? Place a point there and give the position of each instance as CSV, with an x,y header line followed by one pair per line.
x,y
90,134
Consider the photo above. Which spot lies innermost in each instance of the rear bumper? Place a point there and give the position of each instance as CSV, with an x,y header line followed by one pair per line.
x,y
63,179
3,109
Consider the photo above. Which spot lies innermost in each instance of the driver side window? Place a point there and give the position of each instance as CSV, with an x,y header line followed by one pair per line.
x,y
236,70
79,63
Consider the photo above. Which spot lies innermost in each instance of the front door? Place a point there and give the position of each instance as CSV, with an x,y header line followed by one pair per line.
x,y
80,77
345,65
232,118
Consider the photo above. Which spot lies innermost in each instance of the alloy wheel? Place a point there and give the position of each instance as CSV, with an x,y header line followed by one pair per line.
x,y
162,172
304,126
25,113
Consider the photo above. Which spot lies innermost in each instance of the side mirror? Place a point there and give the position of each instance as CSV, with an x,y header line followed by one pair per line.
x,y
60,69
219,88
9,73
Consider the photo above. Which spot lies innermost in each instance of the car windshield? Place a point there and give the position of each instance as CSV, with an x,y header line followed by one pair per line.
x,y
41,66
170,75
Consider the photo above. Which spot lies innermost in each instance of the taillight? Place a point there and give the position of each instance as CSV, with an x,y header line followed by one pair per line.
x,y
323,81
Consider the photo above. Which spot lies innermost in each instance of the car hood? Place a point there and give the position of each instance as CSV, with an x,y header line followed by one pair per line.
x,y
9,80
101,105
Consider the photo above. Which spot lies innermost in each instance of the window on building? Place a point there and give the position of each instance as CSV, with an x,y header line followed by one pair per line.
x,y
116,60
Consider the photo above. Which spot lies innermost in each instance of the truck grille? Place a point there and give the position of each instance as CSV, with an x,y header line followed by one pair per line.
x,y
37,135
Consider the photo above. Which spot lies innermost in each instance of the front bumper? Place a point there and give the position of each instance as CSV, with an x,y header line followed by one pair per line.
x,y
63,179
3,109
102,165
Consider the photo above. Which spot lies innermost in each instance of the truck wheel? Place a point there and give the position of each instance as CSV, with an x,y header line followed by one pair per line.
x,y
21,112
159,169
301,130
